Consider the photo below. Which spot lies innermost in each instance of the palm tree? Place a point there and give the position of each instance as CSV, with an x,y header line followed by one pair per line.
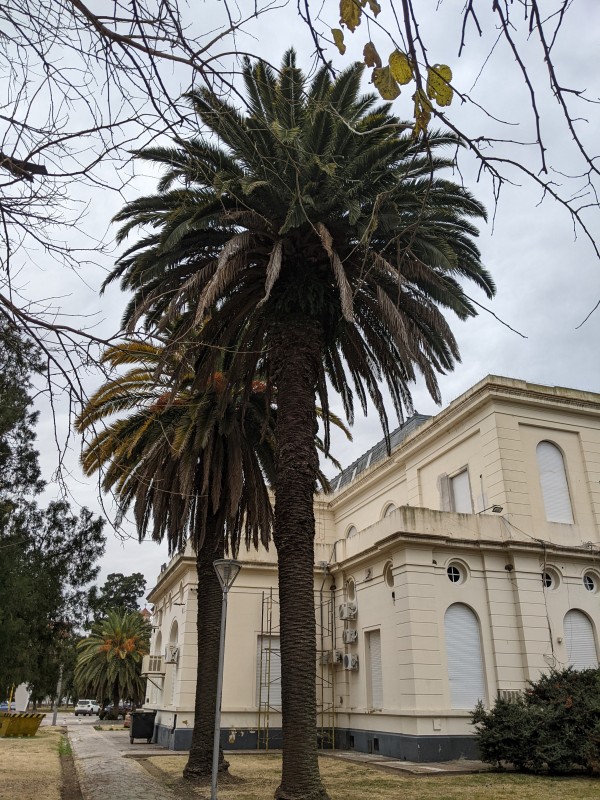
x,y
318,243
191,465
110,658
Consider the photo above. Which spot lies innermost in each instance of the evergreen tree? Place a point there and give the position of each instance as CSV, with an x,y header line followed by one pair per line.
x,y
118,591
47,555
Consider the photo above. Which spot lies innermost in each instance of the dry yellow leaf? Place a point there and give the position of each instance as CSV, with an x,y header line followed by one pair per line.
x,y
375,7
371,56
350,13
438,84
423,110
338,38
385,83
400,67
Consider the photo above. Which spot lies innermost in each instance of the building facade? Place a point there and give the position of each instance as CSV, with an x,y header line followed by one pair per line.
x,y
457,568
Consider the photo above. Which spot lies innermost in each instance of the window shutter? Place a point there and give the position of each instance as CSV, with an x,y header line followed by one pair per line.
x,y
268,672
553,480
461,493
465,662
375,669
579,638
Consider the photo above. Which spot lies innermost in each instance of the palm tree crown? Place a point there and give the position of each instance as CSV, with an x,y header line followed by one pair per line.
x,y
110,658
181,457
318,204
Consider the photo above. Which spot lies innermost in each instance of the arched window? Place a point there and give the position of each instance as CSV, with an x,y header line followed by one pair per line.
x,y
351,589
389,509
158,644
553,480
351,532
174,633
579,638
465,659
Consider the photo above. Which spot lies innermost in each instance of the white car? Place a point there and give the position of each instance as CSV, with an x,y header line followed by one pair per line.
x,y
89,707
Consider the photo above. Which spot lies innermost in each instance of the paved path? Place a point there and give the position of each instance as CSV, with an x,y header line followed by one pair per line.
x,y
104,773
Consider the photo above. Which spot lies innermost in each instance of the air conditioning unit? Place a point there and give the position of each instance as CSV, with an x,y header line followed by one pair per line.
x,y
326,657
338,656
348,610
350,635
510,695
171,654
350,661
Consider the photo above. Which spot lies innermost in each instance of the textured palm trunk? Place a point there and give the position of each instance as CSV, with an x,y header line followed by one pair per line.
x,y
296,352
116,697
199,763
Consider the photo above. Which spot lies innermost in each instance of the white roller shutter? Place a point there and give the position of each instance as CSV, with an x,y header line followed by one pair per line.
x,y
375,669
465,662
268,672
579,638
461,493
553,480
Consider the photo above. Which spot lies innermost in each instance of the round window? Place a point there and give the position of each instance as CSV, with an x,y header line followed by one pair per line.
x,y
388,575
590,582
549,579
455,573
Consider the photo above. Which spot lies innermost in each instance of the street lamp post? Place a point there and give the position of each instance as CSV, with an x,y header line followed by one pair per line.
x,y
227,571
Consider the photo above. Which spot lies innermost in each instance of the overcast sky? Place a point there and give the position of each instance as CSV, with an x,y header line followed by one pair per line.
x,y
548,278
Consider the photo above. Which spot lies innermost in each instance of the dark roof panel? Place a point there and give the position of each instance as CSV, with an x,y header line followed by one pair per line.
x,y
377,453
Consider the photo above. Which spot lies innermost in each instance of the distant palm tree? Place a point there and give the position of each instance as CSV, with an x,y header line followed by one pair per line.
x,y
191,465
110,659
314,240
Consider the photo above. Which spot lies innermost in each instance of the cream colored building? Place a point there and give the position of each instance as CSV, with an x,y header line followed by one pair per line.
x,y
456,569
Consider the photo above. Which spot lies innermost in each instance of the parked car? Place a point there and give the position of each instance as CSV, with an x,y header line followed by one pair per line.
x,y
108,713
87,707
4,706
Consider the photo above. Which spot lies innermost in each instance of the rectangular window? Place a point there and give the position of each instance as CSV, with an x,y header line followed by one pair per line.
x,y
375,676
460,490
268,673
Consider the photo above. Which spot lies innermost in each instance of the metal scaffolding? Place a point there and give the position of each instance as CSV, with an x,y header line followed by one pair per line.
x,y
326,663
269,667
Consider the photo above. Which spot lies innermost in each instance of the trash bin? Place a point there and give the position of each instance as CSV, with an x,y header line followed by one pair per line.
x,y
142,725
16,723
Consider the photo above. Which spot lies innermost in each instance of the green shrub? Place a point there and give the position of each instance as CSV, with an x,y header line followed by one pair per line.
x,y
554,726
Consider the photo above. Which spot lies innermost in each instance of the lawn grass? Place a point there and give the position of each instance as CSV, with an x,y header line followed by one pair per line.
x,y
255,777
30,765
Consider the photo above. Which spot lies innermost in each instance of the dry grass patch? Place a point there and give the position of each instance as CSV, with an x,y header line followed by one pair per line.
x,y
30,766
258,777
107,727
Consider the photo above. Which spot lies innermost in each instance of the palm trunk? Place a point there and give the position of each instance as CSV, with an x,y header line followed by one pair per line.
x,y
116,697
296,352
199,763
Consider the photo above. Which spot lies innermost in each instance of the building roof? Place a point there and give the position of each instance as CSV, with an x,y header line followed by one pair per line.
x,y
378,452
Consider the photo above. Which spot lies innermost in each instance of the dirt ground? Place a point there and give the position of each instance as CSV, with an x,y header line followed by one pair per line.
x,y
256,778
30,767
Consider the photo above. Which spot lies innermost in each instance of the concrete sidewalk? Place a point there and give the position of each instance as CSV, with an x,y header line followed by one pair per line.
x,y
103,772
462,766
